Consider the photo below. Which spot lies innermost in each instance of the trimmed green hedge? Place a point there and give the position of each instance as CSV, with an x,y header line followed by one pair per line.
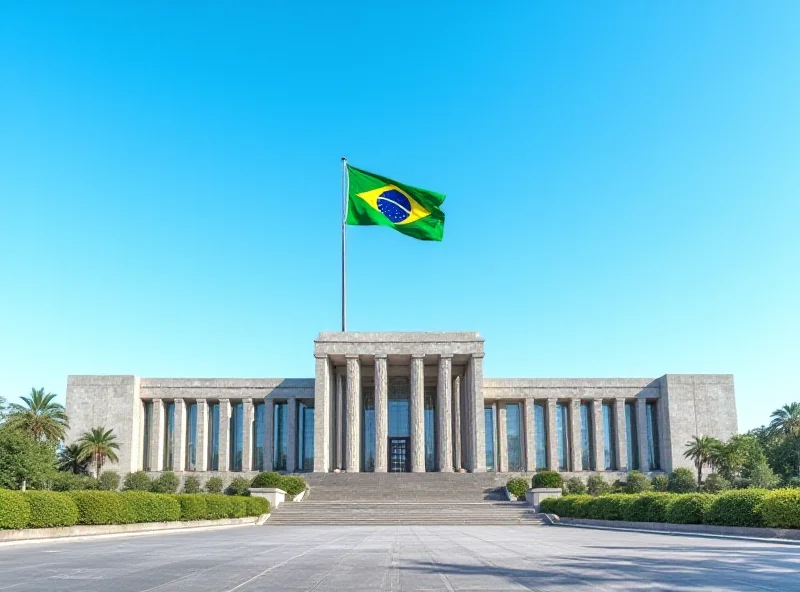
x,y
648,507
781,508
689,509
289,483
100,507
14,511
218,506
547,480
49,509
256,506
141,506
517,486
737,508
193,506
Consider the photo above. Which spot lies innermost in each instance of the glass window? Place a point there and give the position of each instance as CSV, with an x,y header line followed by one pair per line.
x,y
609,438
540,429
514,436
587,443
281,437
399,411
258,436
652,437
488,426
368,428
148,433
236,436
306,454
631,436
191,437
430,429
213,437
562,438
169,435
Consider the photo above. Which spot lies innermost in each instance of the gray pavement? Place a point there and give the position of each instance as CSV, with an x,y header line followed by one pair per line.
x,y
323,558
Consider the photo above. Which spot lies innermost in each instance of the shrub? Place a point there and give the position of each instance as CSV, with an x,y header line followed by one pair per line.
x,y
238,507
793,483
574,486
14,510
214,485
738,507
781,508
256,506
547,480
218,506
596,509
549,505
597,485
166,482
572,505
100,507
108,481
294,485
268,480
70,482
682,481
239,486
616,506
715,483
660,483
581,505
648,507
762,476
690,508
193,507
191,484
637,483
138,481
142,506
49,509
517,486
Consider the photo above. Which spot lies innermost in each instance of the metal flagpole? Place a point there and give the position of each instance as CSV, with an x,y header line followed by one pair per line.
x,y
344,244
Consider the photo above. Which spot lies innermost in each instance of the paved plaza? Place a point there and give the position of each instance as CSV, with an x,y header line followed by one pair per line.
x,y
400,558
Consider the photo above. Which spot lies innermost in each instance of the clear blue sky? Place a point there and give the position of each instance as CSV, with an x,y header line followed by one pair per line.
x,y
622,180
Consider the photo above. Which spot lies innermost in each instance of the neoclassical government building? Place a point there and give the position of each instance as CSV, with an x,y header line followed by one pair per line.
x,y
402,402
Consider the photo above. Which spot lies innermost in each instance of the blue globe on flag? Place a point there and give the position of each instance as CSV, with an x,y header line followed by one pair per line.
x,y
394,205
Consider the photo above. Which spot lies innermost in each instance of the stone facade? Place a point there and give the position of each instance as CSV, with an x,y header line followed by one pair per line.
x,y
435,382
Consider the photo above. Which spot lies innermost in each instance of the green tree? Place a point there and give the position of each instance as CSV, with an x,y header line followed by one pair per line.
x,y
69,460
786,421
97,445
39,417
700,450
24,461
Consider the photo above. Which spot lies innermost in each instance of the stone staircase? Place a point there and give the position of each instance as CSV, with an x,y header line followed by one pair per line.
x,y
404,498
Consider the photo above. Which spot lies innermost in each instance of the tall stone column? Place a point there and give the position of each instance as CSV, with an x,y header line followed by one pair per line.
x,y
381,413
353,411
641,431
322,414
247,435
341,385
620,433
444,416
224,435
201,440
598,431
479,437
502,438
179,455
157,437
575,440
291,436
269,435
552,435
417,405
457,464
530,435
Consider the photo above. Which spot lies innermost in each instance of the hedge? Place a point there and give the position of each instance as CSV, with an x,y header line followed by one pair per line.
x,y
648,507
141,506
218,506
193,506
547,480
256,506
100,507
689,509
517,486
288,483
781,508
14,511
737,508
49,509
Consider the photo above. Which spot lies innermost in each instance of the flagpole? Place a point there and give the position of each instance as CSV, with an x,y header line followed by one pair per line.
x,y
344,243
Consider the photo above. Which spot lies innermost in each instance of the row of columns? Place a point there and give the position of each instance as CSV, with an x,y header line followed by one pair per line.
x,y
574,435
157,440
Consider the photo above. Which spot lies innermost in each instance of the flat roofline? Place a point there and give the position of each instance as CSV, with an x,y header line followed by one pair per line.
x,y
397,337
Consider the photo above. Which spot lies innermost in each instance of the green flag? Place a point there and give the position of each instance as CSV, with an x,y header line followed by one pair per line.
x,y
372,199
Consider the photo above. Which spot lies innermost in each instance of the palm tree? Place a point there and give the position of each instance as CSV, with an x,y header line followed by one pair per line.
x,y
701,450
40,417
98,445
786,421
69,460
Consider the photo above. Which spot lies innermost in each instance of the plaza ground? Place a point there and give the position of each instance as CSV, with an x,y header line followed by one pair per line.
x,y
325,558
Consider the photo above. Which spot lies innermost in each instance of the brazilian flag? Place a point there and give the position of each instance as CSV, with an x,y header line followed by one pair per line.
x,y
372,199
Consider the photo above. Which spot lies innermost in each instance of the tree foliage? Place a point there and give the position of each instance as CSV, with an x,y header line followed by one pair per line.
x,y
39,417
97,445
69,460
701,450
24,461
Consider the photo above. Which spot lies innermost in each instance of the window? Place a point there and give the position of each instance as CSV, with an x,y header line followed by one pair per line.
x,y
652,437
631,436
306,440
540,429
236,436
609,438
399,411
514,436
169,435
562,438
368,428
280,435
430,429
587,444
258,436
488,424
148,433
213,437
191,437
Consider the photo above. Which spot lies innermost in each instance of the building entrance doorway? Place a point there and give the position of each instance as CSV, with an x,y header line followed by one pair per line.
x,y
398,455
